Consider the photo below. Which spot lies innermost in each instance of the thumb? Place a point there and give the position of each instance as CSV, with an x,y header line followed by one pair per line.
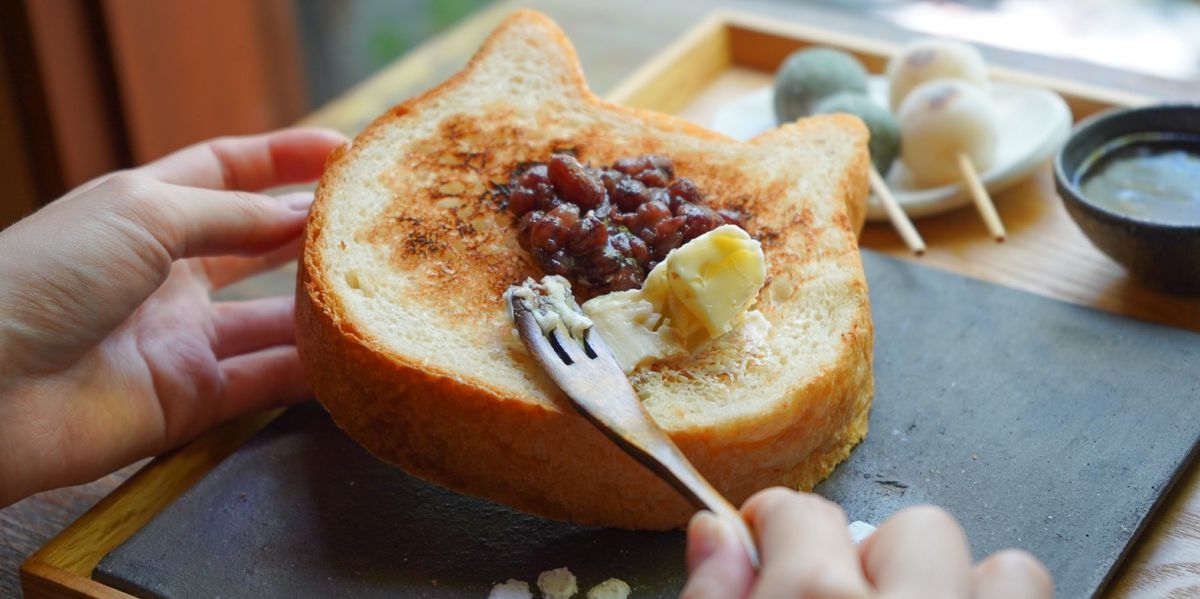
x,y
718,567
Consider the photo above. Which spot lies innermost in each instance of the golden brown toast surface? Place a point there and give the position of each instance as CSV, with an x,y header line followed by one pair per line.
x,y
405,341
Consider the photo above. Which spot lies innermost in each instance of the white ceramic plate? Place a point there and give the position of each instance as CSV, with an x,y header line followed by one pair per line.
x,y
1033,123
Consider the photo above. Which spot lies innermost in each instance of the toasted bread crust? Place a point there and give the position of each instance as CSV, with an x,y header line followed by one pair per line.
x,y
552,462
543,458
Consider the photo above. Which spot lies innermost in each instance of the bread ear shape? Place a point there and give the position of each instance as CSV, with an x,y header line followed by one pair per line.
x,y
783,139
528,45
524,53
403,336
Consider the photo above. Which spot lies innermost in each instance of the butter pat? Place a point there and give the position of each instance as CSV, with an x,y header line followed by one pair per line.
x,y
709,282
701,291
632,328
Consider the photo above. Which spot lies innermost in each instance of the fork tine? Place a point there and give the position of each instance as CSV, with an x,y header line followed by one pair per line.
x,y
570,346
530,332
605,359
592,338
600,390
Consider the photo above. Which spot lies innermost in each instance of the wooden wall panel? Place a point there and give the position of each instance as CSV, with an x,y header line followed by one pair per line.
x,y
189,70
21,195
70,54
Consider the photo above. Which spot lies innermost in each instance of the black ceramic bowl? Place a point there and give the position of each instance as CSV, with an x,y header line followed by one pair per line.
x,y
1164,255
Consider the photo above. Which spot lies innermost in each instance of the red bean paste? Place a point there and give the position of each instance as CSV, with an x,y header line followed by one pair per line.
x,y
606,227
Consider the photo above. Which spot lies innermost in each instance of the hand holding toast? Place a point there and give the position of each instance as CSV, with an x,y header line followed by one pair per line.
x,y
110,347
805,552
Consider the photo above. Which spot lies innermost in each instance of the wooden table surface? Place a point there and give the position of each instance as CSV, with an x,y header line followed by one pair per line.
x,y
615,37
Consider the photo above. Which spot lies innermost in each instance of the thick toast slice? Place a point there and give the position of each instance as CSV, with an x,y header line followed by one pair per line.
x,y
404,337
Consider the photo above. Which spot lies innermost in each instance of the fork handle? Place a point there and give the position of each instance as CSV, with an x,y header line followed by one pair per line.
x,y
600,391
668,462
650,446
632,428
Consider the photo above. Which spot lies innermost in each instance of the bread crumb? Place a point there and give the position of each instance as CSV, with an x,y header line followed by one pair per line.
x,y
511,589
859,531
613,588
558,583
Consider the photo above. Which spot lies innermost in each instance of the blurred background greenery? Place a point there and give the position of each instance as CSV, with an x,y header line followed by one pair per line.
x,y
344,41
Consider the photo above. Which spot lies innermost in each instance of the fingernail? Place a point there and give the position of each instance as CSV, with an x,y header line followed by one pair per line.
x,y
300,202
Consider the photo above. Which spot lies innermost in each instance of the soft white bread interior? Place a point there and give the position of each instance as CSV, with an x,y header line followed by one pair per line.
x,y
405,340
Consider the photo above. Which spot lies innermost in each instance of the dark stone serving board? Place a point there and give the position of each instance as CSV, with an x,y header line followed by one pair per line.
x,y
1038,424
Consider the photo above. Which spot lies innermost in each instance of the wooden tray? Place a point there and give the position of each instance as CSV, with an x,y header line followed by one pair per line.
x,y
723,56
729,54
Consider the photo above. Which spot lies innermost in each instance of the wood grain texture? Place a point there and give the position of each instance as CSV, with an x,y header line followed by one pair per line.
x,y
62,568
1165,563
663,87
40,579
32,522
85,127
16,167
232,67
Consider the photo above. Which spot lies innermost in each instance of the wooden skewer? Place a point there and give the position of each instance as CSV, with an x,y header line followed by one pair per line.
x,y
896,214
983,201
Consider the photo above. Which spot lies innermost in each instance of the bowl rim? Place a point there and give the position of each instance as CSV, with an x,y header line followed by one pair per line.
x,y
1095,121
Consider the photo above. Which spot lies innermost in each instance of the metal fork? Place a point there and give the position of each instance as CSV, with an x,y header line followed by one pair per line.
x,y
590,376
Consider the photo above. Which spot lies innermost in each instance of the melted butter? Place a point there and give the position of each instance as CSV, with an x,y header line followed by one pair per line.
x,y
701,291
1151,176
552,305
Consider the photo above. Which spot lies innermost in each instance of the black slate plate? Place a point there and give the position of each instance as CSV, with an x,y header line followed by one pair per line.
x,y
1038,424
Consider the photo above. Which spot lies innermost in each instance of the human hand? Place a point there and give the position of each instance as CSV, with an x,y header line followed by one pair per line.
x,y
920,553
110,348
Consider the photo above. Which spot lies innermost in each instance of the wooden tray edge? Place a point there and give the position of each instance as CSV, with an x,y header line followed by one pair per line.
x,y
63,567
667,82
